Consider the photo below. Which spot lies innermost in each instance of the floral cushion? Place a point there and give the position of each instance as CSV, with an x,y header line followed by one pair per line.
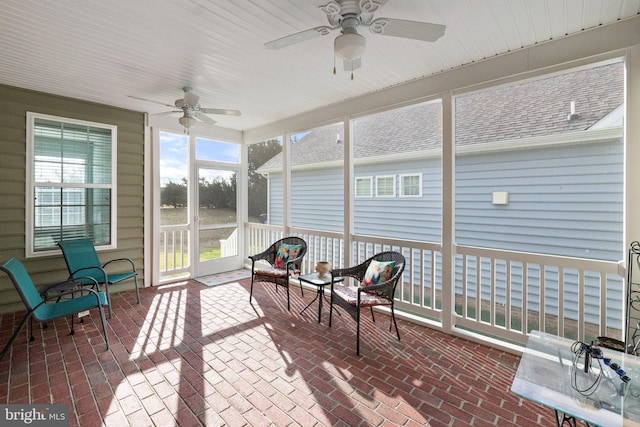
x,y
274,272
378,272
285,253
350,295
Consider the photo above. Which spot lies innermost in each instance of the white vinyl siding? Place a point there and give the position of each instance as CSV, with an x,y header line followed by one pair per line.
x,y
70,182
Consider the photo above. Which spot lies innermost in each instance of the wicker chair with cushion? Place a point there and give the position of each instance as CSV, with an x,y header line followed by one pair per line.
x,y
377,278
284,259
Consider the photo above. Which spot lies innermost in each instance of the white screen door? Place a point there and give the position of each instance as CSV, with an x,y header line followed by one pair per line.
x,y
216,237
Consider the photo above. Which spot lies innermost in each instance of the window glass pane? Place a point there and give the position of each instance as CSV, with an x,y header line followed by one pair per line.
x,y
69,153
385,186
400,142
363,187
265,167
410,185
66,213
207,149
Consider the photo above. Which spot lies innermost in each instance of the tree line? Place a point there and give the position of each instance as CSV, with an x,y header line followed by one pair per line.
x,y
220,192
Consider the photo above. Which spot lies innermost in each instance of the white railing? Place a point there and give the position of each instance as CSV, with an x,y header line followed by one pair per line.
x,y
501,294
508,294
174,251
229,246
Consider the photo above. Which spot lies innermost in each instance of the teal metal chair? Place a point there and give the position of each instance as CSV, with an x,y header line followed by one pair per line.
x,y
83,264
50,308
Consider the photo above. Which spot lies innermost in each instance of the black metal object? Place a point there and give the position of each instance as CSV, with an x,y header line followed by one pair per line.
x,y
385,291
280,279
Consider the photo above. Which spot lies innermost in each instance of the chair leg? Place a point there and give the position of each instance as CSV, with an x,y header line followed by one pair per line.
x,y
135,280
372,316
31,337
104,326
330,309
288,301
15,335
251,290
72,331
358,332
393,316
106,291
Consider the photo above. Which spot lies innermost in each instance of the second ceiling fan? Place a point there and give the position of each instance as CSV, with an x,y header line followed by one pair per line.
x,y
348,15
192,111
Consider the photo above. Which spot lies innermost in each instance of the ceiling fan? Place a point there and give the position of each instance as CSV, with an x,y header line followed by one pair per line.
x,y
348,15
192,112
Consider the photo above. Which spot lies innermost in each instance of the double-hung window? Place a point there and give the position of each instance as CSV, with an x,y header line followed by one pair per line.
x,y
386,186
411,185
364,186
71,182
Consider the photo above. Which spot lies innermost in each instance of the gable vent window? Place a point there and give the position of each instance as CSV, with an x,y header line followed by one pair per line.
x,y
70,182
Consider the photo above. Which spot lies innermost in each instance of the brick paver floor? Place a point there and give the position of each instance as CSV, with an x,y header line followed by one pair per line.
x,y
192,355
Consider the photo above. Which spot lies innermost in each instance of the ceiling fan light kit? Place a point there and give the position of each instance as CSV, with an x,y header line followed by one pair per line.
x,y
188,122
348,15
349,45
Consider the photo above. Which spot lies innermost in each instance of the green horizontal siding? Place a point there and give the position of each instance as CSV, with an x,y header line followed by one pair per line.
x,y
14,105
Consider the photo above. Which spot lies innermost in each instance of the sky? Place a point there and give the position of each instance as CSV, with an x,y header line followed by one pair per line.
x,y
174,155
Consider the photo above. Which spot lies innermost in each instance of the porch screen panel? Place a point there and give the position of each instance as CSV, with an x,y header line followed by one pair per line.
x,y
539,168
264,185
317,178
399,152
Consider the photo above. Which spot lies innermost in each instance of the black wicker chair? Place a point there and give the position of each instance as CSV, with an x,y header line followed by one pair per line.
x,y
352,299
278,274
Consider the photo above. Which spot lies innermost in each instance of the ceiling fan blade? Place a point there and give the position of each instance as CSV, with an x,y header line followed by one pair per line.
x,y
150,100
224,112
424,31
191,99
205,118
166,113
352,65
298,37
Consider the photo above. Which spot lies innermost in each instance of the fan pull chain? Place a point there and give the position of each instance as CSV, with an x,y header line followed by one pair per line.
x,y
334,63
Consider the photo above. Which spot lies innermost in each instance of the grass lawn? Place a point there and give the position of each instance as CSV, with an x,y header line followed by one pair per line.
x,y
209,239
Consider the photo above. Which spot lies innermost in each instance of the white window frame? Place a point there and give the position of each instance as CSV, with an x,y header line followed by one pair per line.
x,y
386,196
370,186
31,184
403,188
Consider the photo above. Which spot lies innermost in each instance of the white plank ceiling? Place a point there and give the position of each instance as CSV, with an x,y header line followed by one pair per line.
x,y
111,51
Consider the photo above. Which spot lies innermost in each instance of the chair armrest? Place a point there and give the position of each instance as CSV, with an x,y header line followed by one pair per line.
x,y
258,257
100,269
261,256
74,291
130,261
357,272
383,289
